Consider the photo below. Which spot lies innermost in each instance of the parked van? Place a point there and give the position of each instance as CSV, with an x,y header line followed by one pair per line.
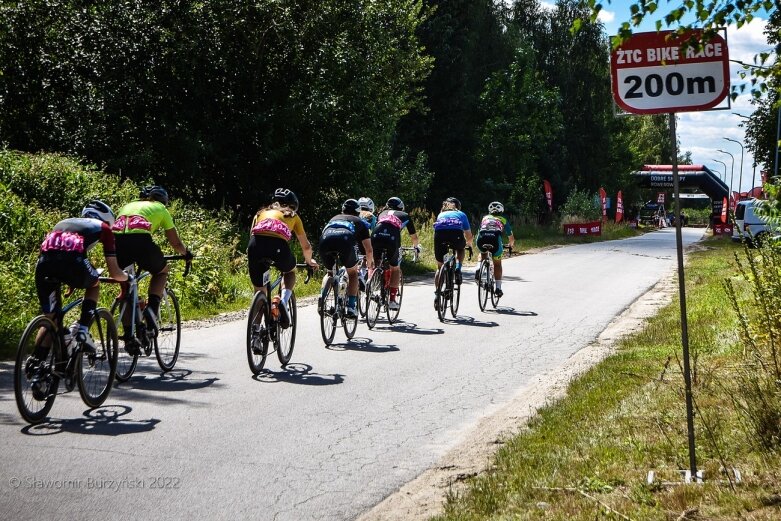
x,y
752,227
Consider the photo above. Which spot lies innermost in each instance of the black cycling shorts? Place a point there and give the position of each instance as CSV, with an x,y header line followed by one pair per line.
x,y
338,243
387,238
488,240
139,248
55,268
264,252
444,239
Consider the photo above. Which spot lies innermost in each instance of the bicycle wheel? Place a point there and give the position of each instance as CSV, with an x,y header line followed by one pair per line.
x,y
455,294
393,314
287,337
348,324
257,332
482,285
169,333
96,371
374,298
328,313
442,292
362,303
35,383
126,362
492,285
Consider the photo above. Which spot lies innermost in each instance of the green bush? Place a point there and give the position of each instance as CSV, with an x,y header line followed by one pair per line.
x,y
38,190
579,207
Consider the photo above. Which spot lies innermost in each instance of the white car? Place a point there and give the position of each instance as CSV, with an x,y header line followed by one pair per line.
x,y
752,227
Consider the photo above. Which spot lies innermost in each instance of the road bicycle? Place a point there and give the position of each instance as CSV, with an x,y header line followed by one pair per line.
x,y
448,290
332,305
45,356
263,327
486,284
140,331
378,290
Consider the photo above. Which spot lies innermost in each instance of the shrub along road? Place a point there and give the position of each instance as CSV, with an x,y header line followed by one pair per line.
x,y
337,431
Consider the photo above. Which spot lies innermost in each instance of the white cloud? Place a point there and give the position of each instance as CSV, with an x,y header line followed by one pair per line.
x,y
607,16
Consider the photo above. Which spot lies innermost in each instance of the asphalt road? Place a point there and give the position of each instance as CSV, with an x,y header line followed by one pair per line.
x,y
340,428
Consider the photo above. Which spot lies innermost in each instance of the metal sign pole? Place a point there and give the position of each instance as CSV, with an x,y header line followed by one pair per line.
x,y
682,295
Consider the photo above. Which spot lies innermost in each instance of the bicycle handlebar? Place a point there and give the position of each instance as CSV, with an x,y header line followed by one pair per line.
x,y
309,271
188,261
415,254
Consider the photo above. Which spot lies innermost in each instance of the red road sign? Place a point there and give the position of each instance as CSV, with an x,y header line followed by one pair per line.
x,y
654,73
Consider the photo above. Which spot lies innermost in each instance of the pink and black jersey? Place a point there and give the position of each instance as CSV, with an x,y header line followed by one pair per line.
x,y
79,235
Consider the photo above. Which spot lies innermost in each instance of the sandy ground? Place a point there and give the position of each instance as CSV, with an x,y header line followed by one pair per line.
x,y
424,497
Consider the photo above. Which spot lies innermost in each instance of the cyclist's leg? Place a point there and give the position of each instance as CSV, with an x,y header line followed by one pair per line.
x,y
348,255
150,258
49,299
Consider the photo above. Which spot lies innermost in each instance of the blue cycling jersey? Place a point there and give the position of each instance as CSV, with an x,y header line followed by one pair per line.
x,y
452,220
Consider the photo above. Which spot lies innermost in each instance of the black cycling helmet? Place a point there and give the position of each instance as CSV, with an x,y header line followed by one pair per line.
x,y
98,210
454,201
154,193
287,198
394,203
350,207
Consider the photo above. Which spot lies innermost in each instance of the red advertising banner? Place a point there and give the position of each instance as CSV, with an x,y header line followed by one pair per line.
x,y
722,229
603,200
724,211
548,194
592,228
619,207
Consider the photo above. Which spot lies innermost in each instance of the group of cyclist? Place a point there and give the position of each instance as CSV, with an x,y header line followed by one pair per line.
x,y
353,233
357,231
126,239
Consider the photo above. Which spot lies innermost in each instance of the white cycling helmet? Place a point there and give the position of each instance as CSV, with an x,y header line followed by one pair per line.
x,y
495,207
98,210
366,204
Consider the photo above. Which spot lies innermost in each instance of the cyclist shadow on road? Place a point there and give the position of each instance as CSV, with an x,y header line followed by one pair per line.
x,y
409,327
508,310
300,374
174,380
103,421
363,344
469,321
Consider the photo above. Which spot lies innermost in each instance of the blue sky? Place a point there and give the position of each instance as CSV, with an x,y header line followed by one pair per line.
x,y
703,133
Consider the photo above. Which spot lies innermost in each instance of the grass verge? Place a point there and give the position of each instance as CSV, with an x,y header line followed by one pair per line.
x,y
587,456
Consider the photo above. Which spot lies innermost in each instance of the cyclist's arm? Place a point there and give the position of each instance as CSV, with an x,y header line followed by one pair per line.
x,y
306,248
114,271
469,237
367,246
414,237
175,242
511,240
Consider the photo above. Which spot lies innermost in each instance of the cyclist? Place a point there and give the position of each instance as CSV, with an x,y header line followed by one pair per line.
x,y
387,237
63,259
340,238
366,206
135,224
451,229
271,231
495,231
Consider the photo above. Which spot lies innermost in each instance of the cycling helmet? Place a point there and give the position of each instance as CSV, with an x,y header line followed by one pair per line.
x,y
350,207
154,193
495,207
366,204
286,197
98,210
454,201
394,203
